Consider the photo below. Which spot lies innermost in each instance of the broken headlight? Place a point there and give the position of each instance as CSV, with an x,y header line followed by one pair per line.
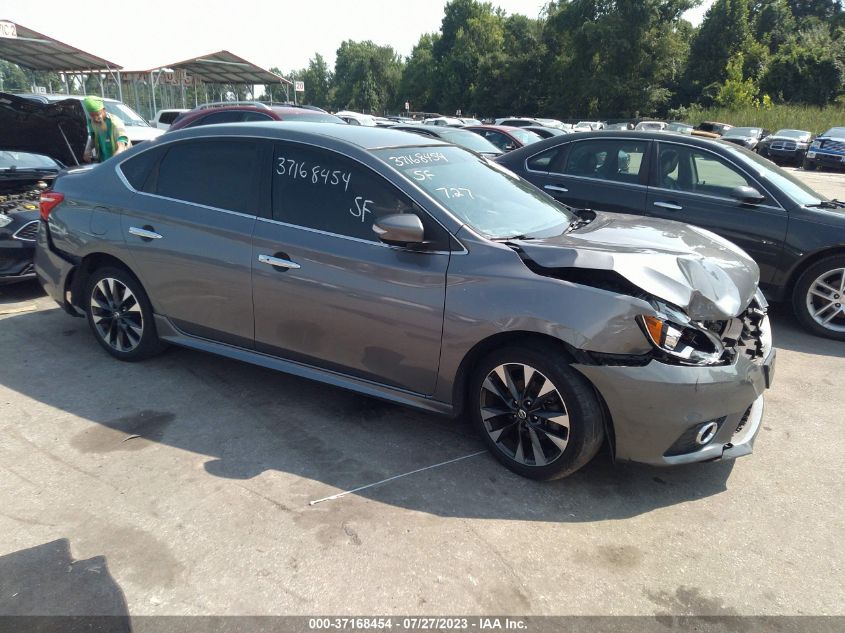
x,y
680,340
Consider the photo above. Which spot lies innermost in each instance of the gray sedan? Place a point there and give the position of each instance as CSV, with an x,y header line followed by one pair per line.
x,y
415,271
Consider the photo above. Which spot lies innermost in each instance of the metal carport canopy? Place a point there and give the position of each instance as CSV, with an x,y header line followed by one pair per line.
x,y
224,67
35,51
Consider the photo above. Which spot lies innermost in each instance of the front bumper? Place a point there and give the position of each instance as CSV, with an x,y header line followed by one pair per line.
x,y
16,260
787,154
654,406
826,159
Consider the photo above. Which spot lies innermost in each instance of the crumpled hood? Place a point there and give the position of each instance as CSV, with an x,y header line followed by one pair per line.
x,y
707,276
58,129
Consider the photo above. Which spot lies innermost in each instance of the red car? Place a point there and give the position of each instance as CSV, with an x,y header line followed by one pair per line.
x,y
246,111
505,137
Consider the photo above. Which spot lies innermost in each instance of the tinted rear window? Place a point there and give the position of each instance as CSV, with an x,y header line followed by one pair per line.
x,y
220,173
137,169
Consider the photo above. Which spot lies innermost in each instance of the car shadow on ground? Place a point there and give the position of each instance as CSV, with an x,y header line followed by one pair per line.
x,y
788,334
248,420
64,593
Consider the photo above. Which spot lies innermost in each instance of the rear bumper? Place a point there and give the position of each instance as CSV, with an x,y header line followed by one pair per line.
x,y
657,409
53,271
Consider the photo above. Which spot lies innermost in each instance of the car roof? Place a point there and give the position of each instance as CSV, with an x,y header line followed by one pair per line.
x,y
367,138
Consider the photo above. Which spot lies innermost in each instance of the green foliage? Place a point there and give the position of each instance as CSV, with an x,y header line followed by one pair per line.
x,y
808,69
736,92
776,117
367,77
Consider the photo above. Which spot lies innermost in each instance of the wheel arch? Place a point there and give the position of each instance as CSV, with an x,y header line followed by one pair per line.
x,y
87,265
805,263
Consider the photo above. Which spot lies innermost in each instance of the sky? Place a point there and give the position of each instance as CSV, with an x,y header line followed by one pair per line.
x,y
283,34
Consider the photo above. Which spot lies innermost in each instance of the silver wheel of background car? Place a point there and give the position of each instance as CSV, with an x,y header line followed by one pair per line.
x,y
826,300
524,414
116,315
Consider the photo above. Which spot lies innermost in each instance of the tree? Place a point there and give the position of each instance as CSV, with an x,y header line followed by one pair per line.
x,y
318,81
736,92
724,32
419,80
614,57
807,69
367,77
774,23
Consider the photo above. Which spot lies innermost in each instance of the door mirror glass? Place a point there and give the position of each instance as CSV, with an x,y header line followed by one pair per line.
x,y
399,229
747,195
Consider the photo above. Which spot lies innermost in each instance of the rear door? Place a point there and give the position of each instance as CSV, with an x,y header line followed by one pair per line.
x,y
327,292
189,233
693,185
606,174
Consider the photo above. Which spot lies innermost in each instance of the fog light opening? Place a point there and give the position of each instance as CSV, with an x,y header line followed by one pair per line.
x,y
706,433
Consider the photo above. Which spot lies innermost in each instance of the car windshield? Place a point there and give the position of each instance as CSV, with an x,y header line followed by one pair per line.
x,y
25,160
792,133
743,131
835,131
125,114
526,137
799,192
470,140
492,200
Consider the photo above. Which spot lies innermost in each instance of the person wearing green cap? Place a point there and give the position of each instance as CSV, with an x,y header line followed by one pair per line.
x,y
107,135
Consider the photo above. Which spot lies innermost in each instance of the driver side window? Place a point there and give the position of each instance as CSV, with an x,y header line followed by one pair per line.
x,y
686,169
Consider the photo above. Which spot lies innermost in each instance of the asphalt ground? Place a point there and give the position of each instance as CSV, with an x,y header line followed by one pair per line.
x,y
184,485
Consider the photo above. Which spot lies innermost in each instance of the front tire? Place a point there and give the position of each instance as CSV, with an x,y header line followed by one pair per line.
x,y
536,414
819,298
120,315
808,165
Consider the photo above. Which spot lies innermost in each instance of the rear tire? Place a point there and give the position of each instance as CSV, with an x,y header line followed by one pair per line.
x,y
537,415
120,315
819,298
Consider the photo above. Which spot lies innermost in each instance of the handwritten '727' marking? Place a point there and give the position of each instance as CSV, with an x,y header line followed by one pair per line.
x,y
456,192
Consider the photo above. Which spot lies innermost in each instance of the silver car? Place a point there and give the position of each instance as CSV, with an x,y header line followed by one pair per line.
x,y
416,271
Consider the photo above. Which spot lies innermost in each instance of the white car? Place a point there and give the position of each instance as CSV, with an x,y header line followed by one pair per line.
x,y
589,125
164,118
651,126
356,118
444,120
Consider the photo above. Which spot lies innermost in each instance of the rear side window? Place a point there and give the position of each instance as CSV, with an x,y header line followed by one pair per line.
x,y
138,168
320,189
544,160
222,173
607,159
230,116
168,117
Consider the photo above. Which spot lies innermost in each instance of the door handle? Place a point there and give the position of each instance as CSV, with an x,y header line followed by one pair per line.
x,y
144,234
668,205
277,262
556,188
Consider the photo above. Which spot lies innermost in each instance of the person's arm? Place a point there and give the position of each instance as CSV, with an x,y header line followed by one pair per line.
x,y
122,139
88,154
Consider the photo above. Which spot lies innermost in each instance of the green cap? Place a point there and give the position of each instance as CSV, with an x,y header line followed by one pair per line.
x,y
93,104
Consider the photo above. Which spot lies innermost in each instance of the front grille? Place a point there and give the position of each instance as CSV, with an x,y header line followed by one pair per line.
x,y
28,232
744,333
789,146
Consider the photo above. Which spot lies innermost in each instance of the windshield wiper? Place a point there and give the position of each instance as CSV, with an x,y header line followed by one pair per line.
x,y
828,204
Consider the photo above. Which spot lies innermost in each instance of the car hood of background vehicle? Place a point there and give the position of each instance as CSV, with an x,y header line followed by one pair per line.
x,y
58,129
707,276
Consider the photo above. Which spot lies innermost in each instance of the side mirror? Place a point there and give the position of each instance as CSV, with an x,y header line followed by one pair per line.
x,y
400,229
747,195
509,147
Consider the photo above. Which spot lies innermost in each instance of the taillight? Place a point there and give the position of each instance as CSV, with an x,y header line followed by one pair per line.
x,y
49,199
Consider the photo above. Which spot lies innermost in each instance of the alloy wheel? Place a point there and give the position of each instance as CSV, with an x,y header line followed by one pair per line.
x,y
524,414
117,315
826,300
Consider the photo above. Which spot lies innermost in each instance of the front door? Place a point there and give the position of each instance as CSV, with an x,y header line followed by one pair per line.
x,y
693,185
327,292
